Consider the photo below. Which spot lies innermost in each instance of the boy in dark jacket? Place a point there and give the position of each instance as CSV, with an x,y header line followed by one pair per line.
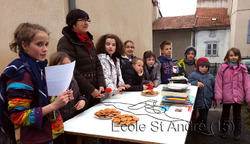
x,y
166,61
205,95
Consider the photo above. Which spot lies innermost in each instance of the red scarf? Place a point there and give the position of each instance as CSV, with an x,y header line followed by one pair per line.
x,y
85,39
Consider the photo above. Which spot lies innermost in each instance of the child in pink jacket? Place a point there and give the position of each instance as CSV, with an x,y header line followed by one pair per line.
x,y
232,86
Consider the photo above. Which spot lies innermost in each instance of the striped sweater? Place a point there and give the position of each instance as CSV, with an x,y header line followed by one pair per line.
x,y
25,110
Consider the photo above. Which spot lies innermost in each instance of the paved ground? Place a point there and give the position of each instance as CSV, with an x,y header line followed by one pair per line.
x,y
213,118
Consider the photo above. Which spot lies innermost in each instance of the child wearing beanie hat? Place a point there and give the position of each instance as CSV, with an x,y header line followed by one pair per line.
x,y
205,95
188,64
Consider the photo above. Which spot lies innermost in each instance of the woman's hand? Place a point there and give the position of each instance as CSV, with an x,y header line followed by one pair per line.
x,y
145,87
80,104
97,94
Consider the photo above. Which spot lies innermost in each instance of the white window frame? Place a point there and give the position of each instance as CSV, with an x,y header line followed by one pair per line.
x,y
212,44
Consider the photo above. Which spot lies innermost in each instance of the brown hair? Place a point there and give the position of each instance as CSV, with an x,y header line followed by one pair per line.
x,y
57,57
162,45
25,32
236,51
100,45
134,60
128,41
148,54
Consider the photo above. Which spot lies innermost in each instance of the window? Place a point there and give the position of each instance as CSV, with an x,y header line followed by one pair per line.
x,y
212,34
248,34
212,49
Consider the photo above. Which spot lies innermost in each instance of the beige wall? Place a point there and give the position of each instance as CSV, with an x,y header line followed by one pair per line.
x,y
239,26
130,19
179,39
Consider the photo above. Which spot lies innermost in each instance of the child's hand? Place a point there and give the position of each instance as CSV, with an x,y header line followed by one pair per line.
x,y
70,93
126,86
214,104
155,84
200,84
62,100
80,104
145,87
140,73
118,90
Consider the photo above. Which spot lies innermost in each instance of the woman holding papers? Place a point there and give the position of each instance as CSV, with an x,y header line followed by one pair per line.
x,y
23,84
77,43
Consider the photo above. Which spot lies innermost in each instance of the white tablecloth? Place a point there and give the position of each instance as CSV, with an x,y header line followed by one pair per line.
x,y
154,125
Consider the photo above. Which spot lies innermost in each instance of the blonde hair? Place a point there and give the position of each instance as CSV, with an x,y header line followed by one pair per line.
x,y
134,61
25,32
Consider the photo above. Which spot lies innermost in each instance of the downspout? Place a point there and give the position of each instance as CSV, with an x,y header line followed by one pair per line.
x,y
194,29
72,5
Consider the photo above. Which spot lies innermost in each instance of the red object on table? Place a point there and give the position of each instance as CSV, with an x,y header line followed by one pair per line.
x,y
150,87
108,90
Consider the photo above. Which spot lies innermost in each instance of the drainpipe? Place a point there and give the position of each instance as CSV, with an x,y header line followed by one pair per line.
x,y
194,29
72,5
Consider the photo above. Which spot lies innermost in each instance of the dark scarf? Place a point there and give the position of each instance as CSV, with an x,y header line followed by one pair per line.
x,y
36,69
189,62
84,38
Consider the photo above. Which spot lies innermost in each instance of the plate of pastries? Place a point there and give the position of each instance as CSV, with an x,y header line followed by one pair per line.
x,y
107,113
125,119
149,93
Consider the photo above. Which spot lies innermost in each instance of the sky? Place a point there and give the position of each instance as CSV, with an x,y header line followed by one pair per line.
x,y
177,7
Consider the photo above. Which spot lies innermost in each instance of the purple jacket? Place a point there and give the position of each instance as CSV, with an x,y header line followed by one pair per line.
x,y
232,85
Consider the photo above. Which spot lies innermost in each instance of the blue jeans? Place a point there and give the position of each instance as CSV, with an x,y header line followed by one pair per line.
x,y
225,123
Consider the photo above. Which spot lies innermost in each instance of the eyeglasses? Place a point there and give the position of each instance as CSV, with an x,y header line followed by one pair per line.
x,y
132,47
84,20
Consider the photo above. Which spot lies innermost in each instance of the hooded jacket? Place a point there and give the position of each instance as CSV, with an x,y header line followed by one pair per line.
x,y
166,69
88,70
155,75
232,85
205,95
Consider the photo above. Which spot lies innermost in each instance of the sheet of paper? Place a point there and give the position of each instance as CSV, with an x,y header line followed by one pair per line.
x,y
58,78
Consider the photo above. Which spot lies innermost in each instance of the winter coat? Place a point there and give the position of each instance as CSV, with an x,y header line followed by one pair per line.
x,y
232,85
205,95
166,69
111,72
69,111
182,67
155,76
88,70
125,61
131,77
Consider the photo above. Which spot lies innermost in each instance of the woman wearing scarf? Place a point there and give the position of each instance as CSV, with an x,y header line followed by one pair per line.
x,y
77,43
